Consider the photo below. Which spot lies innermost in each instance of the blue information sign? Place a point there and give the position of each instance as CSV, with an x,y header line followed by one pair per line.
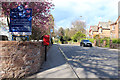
x,y
20,20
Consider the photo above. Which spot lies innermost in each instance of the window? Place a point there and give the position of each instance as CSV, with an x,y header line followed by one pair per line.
x,y
100,30
113,27
113,35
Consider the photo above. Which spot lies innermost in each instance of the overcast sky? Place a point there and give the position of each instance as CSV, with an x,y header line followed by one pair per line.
x,y
92,11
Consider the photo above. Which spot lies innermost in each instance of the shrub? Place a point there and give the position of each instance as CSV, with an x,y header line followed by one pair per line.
x,y
78,35
114,41
118,41
66,38
101,40
91,40
96,36
74,40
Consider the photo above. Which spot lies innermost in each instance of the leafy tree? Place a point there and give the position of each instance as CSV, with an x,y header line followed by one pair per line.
x,y
78,35
67,36
61,31
96,36
66,31
76,26
62,40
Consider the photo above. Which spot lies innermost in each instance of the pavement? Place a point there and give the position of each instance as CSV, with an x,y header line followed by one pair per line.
x,y
55,66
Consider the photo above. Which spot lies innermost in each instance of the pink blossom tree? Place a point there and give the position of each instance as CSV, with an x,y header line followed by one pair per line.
x,y
40,15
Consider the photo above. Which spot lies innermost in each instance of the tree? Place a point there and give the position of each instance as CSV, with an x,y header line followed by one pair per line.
x,y
78,35
40,14
96,36
66,31
51,25
72,32
75,27
67,36
79,26
61,31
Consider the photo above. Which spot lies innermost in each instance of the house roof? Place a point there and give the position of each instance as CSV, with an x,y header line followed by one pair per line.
x,y
94,28
115,22
104,25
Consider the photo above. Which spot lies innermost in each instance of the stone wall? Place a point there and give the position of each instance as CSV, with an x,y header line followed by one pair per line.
x,y
18,59
112,45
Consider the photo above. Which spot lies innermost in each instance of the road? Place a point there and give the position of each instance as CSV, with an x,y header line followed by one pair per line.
x,y
92,62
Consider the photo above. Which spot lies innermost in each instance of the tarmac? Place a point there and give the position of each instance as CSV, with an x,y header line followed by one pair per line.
x,y
56,66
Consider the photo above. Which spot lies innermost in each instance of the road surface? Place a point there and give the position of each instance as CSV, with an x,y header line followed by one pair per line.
x,y
92,62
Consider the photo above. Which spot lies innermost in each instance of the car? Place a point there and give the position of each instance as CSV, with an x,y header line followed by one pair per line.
x,y
3,38
85,43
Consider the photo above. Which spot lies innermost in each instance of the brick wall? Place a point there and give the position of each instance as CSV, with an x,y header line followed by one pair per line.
x,y
18,59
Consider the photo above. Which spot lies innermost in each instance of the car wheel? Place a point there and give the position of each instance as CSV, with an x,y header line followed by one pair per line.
x,y
83,45
90,45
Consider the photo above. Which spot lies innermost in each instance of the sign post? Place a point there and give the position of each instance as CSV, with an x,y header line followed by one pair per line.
x,y
20,22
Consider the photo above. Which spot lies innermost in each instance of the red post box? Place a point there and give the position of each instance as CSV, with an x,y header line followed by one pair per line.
x,y
46,39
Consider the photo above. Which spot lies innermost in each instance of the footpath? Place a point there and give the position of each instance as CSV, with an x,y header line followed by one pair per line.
x,y
55,66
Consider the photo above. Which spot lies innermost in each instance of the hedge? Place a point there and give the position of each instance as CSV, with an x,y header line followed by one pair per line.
x,y
117,41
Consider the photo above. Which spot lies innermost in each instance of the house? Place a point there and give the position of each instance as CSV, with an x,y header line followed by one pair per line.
x,y
93,31
4,29
115,29
104,29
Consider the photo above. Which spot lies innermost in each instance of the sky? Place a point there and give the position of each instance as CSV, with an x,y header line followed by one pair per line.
x,y
90,11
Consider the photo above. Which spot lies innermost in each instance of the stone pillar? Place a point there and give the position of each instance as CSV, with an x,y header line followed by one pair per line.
x,y
104,43
110,43
94,42
99,43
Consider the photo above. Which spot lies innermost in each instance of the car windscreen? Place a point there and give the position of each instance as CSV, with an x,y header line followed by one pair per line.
x,y
86,41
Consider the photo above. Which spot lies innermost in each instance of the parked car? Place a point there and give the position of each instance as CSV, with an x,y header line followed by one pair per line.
x,y
3,38
85,43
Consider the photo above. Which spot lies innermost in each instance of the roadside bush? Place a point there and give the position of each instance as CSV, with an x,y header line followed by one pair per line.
x,y
117,41
101,40
96,36
78,35
66,38
91,40
74,40
114,41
